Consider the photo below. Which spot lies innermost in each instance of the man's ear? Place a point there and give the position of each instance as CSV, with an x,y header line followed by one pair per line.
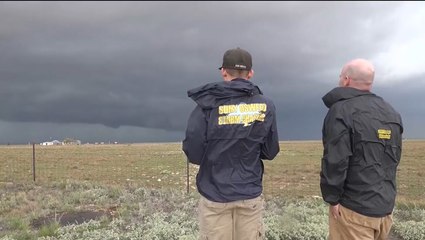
x,y
347,81
250,74
344,81
223,72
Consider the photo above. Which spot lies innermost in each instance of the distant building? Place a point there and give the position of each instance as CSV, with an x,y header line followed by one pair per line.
x,y
54,142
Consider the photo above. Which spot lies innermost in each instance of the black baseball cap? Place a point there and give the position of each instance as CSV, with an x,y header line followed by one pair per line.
x,y
237,58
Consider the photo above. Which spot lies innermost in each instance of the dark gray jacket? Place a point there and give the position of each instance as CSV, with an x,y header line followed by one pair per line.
x,y
362,137
231,129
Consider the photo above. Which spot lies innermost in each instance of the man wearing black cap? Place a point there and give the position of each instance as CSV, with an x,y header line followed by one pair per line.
x,y
230,131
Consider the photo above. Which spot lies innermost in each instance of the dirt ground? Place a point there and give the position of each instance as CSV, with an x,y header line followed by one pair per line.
x,y
393,236
65,218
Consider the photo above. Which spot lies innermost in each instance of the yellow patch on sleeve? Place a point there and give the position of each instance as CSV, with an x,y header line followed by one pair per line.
x,y
384,134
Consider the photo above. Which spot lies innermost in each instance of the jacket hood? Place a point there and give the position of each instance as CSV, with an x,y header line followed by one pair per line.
x,y
213,94
342,93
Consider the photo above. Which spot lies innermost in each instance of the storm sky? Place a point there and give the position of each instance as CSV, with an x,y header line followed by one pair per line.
x,y
120,71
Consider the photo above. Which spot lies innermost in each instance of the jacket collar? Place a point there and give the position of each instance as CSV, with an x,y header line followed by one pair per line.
x,y
342,93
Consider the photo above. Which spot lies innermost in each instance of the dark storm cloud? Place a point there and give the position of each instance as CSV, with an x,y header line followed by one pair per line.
x,y
408,100
131,63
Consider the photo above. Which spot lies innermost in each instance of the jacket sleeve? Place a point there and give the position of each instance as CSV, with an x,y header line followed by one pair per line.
x,y
195,140
337,151
270,146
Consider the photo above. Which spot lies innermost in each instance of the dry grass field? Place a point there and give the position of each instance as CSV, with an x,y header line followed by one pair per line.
x,y
106,191
294,173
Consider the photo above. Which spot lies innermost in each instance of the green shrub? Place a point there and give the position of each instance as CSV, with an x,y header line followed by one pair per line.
x,y
49,230
153,214
409,222
17,224
297,221
410,230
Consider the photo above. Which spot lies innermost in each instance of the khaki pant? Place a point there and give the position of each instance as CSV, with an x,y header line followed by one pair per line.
x,y
354,226
238,220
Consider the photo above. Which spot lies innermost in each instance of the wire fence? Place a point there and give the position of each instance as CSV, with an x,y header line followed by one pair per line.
x,y
150,165
295,172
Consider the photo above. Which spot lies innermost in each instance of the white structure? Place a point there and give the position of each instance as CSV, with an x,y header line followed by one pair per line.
x,y
54,142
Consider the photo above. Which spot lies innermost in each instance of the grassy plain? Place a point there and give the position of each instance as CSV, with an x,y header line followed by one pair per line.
x,y
146,183
294,173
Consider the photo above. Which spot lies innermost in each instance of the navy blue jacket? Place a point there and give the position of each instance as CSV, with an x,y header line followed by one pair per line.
x,y
231,130
362,137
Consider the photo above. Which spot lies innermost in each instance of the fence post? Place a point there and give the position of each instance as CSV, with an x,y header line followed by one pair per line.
x,y
33,161
187,175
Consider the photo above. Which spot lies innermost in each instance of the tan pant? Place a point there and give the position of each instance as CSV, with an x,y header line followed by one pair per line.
x,y
354,226
238,220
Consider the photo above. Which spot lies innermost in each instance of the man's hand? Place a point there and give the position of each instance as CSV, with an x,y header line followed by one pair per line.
x,y
335,211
